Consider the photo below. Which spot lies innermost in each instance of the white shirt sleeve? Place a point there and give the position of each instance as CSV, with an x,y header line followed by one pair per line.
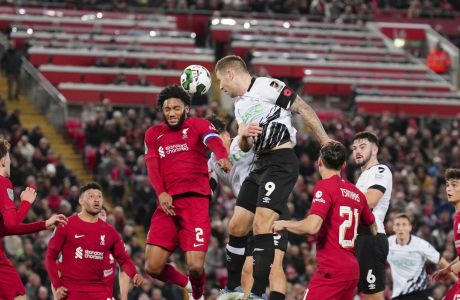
x,y
430,252
276,92
381,176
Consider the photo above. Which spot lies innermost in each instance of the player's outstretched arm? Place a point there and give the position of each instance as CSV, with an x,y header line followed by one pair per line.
x,y
443,263
443,274
13,217
309,225
123,280
121,256
55,220
311,120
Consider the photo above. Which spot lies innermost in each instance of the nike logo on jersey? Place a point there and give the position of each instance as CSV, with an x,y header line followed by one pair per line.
x,y
197,245
159,137
77,236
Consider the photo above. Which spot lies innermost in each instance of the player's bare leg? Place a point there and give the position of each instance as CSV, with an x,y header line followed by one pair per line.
x,y
277,277
23,297
246,275
264,248
156,266
376,296
195,263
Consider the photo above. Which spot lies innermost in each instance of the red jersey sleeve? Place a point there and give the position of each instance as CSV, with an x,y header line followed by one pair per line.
x,y
119,253
55,246
322,200
367,217
23,228
153,161
210,137
6,195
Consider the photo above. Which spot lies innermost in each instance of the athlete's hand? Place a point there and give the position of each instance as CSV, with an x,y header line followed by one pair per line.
x,y
55,220
440,275
225,165
166,203
251,130
29,195
138,280
60,293
278,226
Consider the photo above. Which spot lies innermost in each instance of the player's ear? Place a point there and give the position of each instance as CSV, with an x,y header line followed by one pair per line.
x,y
187,109
344,166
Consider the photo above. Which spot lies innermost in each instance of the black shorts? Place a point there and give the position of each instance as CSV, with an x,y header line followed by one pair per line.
x,y
270,182
420,295
372,252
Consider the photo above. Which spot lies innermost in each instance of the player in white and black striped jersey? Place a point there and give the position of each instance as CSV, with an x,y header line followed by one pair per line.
x,y
263,110
407,258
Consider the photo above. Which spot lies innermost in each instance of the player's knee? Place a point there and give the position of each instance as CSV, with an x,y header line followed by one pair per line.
x,y
195,268
237,228
260,226
153,269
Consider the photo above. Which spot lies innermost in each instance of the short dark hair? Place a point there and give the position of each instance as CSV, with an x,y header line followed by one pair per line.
x,y
89,186
366,135
4,148
173,91
231,61
403,216
452,174
218,123
333,155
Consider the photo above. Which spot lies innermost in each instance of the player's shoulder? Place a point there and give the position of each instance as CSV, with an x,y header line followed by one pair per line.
x,y
392,240
419,242
155,129
5,182
382,169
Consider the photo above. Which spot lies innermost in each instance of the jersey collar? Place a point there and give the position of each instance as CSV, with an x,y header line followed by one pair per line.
x,y
253,79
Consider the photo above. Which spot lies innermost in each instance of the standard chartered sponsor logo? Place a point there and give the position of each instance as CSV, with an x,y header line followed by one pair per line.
x,y
176,148
79,253
90,254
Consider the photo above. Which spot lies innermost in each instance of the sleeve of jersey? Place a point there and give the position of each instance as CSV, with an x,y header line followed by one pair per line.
x,y
211,138
322,201
119,253
278,93
25,228
153,163
55,246
431,253
367,217
6,202
382,179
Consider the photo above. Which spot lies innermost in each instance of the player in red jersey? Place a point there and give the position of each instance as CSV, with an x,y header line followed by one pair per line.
x,y
11,286
83,243
177,167
453,196
337,209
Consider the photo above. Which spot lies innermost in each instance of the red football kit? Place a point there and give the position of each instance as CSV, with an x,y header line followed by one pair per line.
x,y
84,248
342,207
177,164
10,224
454,292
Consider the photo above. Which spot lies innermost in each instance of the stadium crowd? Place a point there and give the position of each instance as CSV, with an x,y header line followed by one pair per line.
x,y
417,151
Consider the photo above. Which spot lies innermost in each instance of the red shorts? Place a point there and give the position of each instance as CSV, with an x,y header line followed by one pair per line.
x,y
190,228
79,295
328,289
10,283
453,293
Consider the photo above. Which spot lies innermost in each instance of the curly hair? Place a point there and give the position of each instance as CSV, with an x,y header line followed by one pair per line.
x,y
173,91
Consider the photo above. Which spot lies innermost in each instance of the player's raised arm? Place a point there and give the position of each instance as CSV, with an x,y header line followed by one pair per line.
x,y
212,140
153,162
311,120
309,225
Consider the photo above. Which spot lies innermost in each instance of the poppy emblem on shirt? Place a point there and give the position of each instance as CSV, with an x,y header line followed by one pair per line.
x,y
10,194
103,240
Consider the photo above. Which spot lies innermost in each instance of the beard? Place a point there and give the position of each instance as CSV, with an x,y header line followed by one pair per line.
x,y
178,125
364,161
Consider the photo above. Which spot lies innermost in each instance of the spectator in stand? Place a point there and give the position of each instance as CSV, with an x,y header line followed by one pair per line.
x,y
122,63
439,60
11,63
141,64
120,80
142,81
102,62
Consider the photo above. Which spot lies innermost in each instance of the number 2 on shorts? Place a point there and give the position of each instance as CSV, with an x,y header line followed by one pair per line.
x,y
199,234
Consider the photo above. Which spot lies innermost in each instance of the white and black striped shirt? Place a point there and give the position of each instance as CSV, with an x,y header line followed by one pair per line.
x,y
267,102
407,264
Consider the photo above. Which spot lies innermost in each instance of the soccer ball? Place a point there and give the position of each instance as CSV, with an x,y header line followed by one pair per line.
x,y
195,80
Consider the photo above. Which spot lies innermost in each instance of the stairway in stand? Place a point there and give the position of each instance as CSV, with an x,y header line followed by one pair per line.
x,y
30,117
